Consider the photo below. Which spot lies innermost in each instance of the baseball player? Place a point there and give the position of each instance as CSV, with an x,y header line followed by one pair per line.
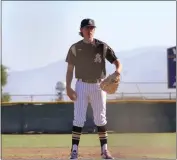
x,y
87,57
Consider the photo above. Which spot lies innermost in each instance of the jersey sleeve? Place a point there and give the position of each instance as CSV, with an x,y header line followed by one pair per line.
x,y
110,54
71,56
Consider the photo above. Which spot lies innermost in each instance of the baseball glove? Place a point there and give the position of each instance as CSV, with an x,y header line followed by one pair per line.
x,y
110,83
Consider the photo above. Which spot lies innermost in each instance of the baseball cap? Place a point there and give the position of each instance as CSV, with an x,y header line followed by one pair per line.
x,y
87,22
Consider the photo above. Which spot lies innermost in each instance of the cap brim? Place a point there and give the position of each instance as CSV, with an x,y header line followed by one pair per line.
x,y
89,26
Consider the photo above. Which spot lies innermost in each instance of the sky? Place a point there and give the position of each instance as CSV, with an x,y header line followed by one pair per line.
x,y
35,34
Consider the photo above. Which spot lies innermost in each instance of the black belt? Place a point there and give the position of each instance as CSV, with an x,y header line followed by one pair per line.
x,y
90,80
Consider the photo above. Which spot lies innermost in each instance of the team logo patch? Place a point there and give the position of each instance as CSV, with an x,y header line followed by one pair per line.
x,y
90,22
97,58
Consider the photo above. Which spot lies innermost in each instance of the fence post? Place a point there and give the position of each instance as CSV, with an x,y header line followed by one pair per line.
x,y
31,98
122,95
170,95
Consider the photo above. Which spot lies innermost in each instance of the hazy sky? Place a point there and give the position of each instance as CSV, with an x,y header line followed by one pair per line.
x,y
35,34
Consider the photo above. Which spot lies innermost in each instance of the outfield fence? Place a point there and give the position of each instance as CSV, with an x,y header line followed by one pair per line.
x,y
123,117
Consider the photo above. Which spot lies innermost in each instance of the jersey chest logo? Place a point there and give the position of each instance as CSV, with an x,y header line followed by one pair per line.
x,y
97,58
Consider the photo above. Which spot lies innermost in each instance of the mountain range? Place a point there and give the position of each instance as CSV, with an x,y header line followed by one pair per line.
x,y
147,64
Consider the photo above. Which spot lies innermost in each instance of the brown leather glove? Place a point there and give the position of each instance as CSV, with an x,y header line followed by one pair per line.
x,y
110,84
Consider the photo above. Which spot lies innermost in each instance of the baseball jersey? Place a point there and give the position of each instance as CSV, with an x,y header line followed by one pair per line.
x,y
89,59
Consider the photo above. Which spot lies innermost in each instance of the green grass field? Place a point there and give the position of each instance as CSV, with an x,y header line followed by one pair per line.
x,y
162,145
137,140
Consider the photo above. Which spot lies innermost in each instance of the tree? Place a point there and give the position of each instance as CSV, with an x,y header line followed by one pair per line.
x,y
3,75
5,97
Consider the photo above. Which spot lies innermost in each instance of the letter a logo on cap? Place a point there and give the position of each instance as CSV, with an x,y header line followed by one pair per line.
x,y
90,22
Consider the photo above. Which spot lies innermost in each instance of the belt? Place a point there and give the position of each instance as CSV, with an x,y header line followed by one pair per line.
x,y
90,81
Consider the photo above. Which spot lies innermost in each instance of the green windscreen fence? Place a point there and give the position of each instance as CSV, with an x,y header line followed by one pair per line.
x,y
124,117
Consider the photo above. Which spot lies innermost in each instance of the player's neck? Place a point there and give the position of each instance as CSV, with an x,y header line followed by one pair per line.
x,y
90,40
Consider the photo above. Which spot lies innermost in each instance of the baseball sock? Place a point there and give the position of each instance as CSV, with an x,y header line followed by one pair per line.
x,y
76,133
102,133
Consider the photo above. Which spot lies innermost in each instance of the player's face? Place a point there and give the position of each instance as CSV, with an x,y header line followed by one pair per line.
x,y
88,32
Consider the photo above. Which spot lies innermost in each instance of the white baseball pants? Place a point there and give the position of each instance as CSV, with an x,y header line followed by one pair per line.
x,y
89,92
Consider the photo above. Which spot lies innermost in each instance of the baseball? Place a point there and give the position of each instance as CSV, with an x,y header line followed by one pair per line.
x,y
74,97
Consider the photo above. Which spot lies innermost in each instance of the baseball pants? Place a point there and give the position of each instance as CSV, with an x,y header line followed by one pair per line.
x,y
89,92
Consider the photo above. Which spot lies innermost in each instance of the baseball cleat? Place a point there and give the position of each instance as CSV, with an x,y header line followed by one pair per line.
x,y
74,155
106,155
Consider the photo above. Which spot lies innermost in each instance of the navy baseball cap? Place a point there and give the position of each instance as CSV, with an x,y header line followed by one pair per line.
x,y
87,22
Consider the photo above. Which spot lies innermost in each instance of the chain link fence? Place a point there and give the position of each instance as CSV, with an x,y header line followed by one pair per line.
x,y
126,90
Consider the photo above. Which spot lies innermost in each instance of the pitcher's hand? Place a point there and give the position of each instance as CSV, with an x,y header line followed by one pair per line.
x,y
71,93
